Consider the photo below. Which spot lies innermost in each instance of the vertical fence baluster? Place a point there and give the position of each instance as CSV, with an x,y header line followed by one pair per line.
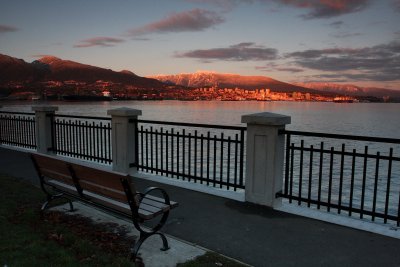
x,y
142,161
156,151
389,177
363,181
151,149
98,143
196,141
221,160
241,173
110,142
189,155
166,153
208,157
321,162
235,171
183,154
146,132
330,178
310,175
162,150
201,158
215,160
58,136
23,132
287,162
291,173
177,154
353,165
341,178
375,185
301,170
228,168
172,153
102,139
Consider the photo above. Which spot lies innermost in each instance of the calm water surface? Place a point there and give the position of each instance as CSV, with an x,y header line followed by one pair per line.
x,y
370,119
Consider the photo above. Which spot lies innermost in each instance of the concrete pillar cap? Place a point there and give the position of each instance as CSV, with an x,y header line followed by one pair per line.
x,y
266,118
45,108
124,112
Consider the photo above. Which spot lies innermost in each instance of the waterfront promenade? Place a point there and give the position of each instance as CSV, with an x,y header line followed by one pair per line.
x,y
253,234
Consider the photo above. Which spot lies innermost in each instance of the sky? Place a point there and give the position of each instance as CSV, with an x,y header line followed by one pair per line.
x,y
355,41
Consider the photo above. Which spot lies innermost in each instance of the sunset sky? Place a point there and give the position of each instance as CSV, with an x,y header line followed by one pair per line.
x,y
354,41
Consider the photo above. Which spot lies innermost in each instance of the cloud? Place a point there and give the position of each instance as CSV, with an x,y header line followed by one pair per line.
x,y
226,5
336,24
379,63
99,41
192,20
396,5
325,8
238,52
278,67
346,34
316,8
7,28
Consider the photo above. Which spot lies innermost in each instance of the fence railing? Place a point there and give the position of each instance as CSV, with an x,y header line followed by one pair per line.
x,y
205,154
82,137
354,175
18,129
360,176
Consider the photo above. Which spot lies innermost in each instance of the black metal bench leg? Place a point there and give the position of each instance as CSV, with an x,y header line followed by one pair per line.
x,y
165,242
142,238
53,197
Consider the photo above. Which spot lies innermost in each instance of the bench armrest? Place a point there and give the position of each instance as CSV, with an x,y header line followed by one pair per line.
x,y
148,190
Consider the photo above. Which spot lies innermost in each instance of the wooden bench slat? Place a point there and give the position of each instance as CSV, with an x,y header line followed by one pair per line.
x,y
50,174
99,189
63,187
173,204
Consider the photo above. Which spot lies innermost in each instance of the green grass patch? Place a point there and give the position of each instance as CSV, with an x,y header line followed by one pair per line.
x,y
27,239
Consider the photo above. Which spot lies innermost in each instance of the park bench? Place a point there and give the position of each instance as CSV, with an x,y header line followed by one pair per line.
x,y
110,191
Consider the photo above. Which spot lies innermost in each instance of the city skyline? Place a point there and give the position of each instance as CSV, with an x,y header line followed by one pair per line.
x,y
338,41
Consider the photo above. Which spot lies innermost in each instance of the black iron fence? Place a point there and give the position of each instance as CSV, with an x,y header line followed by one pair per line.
x,y
82,137
18,129
360,177
205,154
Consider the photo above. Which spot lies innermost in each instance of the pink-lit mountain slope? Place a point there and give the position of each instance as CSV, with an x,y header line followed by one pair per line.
x,y
221,80
51,68
351,90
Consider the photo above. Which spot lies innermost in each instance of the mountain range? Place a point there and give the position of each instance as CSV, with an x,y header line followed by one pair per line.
x,y
50,68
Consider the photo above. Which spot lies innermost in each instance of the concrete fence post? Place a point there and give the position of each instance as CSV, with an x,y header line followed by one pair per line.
x,y
123,138
264,157
44,116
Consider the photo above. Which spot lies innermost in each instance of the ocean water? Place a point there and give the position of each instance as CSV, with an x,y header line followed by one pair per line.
x,y
369,119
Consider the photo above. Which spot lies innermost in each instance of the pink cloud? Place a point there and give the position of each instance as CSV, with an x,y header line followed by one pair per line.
x,y
99,41
192,20
327,8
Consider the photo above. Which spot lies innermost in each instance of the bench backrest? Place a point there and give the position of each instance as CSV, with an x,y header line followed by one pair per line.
x,y
51,168
101,182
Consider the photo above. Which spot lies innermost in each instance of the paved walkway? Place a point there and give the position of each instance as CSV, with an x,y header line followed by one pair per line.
x,y
253,234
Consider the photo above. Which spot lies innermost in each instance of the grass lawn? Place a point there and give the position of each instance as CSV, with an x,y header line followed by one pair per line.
x,y
56,239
